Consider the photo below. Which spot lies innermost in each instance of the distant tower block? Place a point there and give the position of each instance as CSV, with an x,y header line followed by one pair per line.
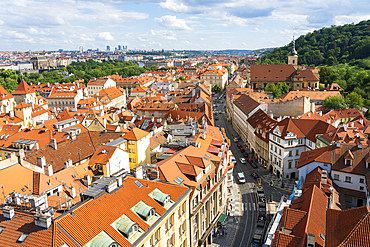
x,y
119,47
81,49
108,48
293,57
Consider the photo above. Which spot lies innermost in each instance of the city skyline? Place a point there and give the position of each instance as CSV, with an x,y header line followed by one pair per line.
x,y
167,24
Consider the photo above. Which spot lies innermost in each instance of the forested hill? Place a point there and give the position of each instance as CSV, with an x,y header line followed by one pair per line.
x,y
327,46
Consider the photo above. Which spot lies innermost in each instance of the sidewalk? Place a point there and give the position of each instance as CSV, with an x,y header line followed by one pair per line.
x,y
230,227
288,183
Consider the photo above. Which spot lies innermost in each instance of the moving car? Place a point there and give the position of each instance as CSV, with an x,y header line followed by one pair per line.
x,y
241,178
254,165
254,175
242,150
233,159
250,160
235,139
242,160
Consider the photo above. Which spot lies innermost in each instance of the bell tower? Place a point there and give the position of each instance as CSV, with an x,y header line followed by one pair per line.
x,y
293,56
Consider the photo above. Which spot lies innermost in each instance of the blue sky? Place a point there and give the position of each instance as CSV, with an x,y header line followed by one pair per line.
x,y
168,24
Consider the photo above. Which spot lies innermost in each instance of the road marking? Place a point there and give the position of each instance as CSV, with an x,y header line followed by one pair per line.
x,y
250,207
254,206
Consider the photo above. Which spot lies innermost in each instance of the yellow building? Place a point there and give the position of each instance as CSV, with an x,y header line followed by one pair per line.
x,y
138,147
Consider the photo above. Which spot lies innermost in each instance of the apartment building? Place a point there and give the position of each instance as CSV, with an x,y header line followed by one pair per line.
x,y
347,164
288,139
97,84
138,147
204,174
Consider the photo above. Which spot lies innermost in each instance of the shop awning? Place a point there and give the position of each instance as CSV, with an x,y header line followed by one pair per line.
x,y
222,218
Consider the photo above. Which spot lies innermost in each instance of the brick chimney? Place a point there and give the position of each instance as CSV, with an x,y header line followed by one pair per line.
x,y
53,143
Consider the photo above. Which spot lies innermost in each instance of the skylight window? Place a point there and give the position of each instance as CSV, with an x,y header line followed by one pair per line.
x,y
2,229
22,238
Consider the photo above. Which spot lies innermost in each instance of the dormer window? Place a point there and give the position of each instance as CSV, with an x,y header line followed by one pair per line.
x,y
348,162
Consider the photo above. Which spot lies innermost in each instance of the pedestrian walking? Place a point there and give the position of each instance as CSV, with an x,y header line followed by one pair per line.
x,y
231,206
234,220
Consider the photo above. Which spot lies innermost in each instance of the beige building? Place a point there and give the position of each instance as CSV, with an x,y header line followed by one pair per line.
x,y
95,85
7,101
127,211
203,173
24,94
216,77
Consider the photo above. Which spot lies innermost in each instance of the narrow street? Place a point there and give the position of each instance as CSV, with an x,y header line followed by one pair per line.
x,y
247,224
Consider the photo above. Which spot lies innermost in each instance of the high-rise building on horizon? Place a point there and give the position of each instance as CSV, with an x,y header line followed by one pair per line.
x,y
81,49
119,47
108,48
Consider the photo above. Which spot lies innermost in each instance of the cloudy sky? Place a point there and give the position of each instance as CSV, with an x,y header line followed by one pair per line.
x,y
168,24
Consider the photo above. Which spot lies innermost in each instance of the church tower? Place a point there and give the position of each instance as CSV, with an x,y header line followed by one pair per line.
x,y
293,56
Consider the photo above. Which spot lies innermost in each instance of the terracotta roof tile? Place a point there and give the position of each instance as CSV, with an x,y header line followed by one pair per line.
x,y
23,88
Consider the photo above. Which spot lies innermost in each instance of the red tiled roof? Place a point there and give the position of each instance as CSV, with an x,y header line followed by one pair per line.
x,y
24,223
349,227
23,88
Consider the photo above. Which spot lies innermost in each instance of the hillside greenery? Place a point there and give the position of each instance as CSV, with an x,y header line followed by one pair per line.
x,y
342,53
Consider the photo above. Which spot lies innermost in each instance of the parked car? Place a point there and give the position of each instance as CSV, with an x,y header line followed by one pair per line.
x,y
254,175
242,150
233,159
236,139
254,165
250,160
216,118
239,146
242,160
245,154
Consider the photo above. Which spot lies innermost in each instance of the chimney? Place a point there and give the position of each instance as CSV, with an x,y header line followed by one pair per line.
x,y
119,181
104,123
111,186
87,180
72,191
8,212
68,163
361,121
338,144
48,170
324,176
309,114
41,162
311,240
352,124
11,114
359,145
53,143
139,172
42,220
345,126
36,146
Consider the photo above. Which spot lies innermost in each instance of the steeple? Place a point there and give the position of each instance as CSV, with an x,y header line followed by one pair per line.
x,y
293,52
293,56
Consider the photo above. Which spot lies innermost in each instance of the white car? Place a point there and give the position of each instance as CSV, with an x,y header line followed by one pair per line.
x,y
242,160
233,159
236,139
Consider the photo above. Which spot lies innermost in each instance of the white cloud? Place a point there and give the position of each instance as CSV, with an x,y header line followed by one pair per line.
x,y
201,38
164,34
172,22
174,6
106,36
17,35
32,30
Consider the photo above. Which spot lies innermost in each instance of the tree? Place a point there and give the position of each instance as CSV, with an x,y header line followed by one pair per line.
x,y
278,90
216,88
354,100
335,102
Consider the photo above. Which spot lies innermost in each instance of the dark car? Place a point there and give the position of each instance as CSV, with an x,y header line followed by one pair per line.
x,y
250,160
254,165
254,175
242,150
239,146
245,154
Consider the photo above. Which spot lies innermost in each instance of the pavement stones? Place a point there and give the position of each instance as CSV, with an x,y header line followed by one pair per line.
x,y
231,223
